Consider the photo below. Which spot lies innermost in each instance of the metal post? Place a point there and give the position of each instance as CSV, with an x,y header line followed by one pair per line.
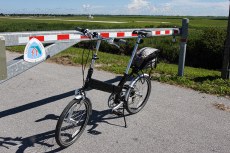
x,y
225,74
183,46
3,70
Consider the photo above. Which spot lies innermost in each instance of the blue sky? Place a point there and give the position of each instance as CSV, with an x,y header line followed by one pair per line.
x,y
118,7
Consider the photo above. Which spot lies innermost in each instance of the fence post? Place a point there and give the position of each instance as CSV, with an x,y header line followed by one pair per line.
x,y
225,73
183,46
3,70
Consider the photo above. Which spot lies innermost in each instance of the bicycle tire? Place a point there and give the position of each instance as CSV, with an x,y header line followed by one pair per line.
x,y
132,94
71,116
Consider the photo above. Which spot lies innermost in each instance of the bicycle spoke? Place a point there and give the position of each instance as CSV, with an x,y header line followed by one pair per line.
x,y
138,95
72,122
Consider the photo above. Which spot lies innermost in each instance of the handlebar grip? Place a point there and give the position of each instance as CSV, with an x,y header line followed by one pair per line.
x,y
135,32
84,31
79,29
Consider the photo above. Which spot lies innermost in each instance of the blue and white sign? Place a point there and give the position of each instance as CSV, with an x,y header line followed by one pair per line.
x,y
34,51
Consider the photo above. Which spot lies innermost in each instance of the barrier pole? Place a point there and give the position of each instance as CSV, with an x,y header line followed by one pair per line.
x,y
225,73
3,70
183,46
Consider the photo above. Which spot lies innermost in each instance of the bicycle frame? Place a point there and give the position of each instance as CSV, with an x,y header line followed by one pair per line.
x,y
103,86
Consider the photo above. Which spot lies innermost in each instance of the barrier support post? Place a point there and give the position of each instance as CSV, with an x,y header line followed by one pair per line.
x,y
183,46
225,73
3,69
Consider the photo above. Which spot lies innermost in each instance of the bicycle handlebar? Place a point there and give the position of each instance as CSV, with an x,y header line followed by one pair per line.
x,y
84,31
143,33
95,35
87,33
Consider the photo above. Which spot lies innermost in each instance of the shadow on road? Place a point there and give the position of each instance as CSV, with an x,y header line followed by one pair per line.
x,y
102,117
35,104
45,142
45,101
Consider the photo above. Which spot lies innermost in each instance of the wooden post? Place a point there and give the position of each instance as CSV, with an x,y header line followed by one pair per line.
x,y
225,74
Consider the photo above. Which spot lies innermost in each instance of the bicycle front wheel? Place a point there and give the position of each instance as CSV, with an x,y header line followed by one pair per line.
x,y
138,94
72,122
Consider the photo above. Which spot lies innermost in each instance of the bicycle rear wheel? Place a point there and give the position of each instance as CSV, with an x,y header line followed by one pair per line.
x,y
72,122
138,94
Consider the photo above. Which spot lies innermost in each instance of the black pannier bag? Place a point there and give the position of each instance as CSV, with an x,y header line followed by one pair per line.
x,y
145,58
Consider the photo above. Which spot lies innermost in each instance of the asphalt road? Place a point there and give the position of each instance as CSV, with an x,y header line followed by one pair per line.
x,y
175,119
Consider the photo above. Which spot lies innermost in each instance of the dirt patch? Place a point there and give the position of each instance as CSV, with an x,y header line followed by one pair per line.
x,y
222,107
64,60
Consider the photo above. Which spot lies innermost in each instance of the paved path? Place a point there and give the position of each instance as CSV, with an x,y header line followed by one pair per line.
x,y
175,120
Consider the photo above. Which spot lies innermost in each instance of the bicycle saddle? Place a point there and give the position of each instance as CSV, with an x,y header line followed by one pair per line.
x,y
145,33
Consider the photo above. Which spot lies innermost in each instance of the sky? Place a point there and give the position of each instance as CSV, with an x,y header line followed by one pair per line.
x,y
118,7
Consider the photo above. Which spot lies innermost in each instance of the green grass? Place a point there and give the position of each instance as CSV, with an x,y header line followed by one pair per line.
x,y
203,80
13,24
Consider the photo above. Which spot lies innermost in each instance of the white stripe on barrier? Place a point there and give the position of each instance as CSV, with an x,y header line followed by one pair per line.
x,y
74,36
128,34
22,40
50,37
113,34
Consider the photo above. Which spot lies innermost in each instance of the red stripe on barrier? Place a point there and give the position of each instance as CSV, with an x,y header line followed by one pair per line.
x,y
84,37
134,35
40,38
158,32
167,32
63,37
105,35
120,34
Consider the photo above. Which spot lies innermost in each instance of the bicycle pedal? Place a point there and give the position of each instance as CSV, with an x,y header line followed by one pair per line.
x,y
116,112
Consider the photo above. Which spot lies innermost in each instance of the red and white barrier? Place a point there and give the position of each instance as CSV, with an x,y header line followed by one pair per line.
x,y
119,34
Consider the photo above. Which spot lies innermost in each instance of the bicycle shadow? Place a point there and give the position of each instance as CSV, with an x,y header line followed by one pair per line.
x,y
104,116
45,142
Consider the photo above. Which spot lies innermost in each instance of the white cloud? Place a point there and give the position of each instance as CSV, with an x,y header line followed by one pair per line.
x,y
145,7
93,9
195,7
137,5
86,6
178,7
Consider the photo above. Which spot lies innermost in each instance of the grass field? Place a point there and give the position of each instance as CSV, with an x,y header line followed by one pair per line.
x,y
12,24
